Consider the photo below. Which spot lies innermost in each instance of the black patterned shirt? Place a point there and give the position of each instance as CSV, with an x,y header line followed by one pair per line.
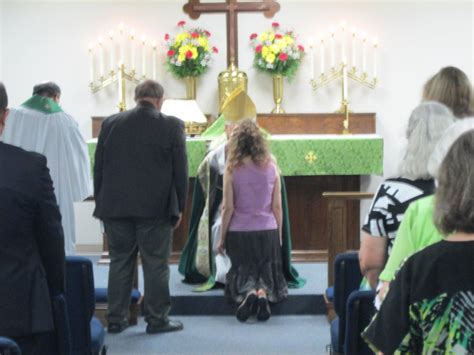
x,y
390,203
429,308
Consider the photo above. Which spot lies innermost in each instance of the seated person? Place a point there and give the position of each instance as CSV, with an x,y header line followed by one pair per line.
x,y
199,262
32,260
252,223
417,230
451,87
426,124
429,306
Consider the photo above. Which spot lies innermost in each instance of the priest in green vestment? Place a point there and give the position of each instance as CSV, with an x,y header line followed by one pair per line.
x,y
200,263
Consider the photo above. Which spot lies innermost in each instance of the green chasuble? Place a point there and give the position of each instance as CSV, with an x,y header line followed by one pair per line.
x,y
197,263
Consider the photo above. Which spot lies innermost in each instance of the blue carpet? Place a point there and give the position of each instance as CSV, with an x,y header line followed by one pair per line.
x,y
302,335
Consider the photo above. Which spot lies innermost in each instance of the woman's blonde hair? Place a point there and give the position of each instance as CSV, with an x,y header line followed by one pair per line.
x,y
452,87
247,141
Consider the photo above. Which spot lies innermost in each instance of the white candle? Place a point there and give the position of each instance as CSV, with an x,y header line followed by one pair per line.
x,y
153,59
122,43
375,58
119,82
143,55
332,49
343,42
101,56
112,51
132,49
344,82
354,64
322,55
311,53
364,53
91,61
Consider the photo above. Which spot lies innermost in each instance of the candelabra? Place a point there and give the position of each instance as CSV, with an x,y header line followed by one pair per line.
x,y
343,71
124,69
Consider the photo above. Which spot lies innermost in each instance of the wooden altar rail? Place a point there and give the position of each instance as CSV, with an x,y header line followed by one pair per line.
x,y
316,123
341,236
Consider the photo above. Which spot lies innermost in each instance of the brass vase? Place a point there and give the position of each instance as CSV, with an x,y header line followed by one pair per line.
x,y
190,87
278,93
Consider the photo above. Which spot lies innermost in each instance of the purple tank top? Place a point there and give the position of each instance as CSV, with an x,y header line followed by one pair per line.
x,y
253,189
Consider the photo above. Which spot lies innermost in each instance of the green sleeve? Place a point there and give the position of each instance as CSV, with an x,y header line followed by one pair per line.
x,y
403,245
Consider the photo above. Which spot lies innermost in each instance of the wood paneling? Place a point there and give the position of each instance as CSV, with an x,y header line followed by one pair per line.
x,y
316,123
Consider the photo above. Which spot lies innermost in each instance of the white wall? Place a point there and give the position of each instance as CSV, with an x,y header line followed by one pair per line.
x,y
48,40
1,40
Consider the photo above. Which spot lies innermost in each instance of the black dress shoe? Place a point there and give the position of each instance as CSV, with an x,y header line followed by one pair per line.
x,y
171,326
245,309
115,328
263,309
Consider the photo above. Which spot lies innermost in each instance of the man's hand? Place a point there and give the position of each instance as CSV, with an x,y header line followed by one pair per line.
x,y
176,226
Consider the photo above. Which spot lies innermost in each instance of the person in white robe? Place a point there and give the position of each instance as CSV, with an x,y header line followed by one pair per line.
x,y
40,125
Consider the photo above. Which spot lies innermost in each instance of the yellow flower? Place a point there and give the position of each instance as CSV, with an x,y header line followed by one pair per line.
x,y
263,37
203,42
270,58
265,51
272,36
181,37
195,52
183,49
275,48
288,39
181,57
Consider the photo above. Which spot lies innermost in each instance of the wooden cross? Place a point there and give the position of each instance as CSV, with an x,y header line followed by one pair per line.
x,y
231,7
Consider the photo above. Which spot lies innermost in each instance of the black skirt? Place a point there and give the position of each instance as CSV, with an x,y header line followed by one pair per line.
x,y
256,263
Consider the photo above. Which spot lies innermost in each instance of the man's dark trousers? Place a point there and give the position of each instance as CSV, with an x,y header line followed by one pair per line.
x,y
153,238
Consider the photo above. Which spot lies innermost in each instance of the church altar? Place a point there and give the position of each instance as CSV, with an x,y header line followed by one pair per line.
x,y
312,164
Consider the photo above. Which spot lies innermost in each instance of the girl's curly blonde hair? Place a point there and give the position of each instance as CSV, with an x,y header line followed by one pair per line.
x,y
247,141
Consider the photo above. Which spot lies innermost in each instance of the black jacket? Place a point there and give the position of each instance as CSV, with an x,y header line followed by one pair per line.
x,y
141,165
31,243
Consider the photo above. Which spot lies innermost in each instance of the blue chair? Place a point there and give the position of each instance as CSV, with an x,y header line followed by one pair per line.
x,y
347,278
359,312
9,347
87,333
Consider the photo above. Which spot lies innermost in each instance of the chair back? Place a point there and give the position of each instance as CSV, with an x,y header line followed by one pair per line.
x,y
9,347
80,302
359,312
347,278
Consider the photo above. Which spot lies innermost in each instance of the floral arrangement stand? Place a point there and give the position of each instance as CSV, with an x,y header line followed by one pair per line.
x,y
189,55
277,53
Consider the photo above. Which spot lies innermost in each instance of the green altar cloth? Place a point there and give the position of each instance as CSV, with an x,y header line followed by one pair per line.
x,y
306,155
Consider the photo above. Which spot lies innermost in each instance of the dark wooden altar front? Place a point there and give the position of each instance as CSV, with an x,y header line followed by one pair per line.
x,y
321,227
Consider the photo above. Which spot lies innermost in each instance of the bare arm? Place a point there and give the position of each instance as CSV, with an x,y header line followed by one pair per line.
x,y
372,257
227,209
276,204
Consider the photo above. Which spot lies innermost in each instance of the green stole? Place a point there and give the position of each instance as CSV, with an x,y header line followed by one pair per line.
x,y
42,104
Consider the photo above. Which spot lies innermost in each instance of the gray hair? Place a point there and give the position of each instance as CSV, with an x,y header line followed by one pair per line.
x,y
426,125
3,97
454,207
150,89
446,141
47,89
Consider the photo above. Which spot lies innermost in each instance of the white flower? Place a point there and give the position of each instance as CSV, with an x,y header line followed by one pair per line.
x,y
269,66
178,63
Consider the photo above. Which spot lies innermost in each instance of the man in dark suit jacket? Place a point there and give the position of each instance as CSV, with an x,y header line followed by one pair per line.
x,y
32,246
140,187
